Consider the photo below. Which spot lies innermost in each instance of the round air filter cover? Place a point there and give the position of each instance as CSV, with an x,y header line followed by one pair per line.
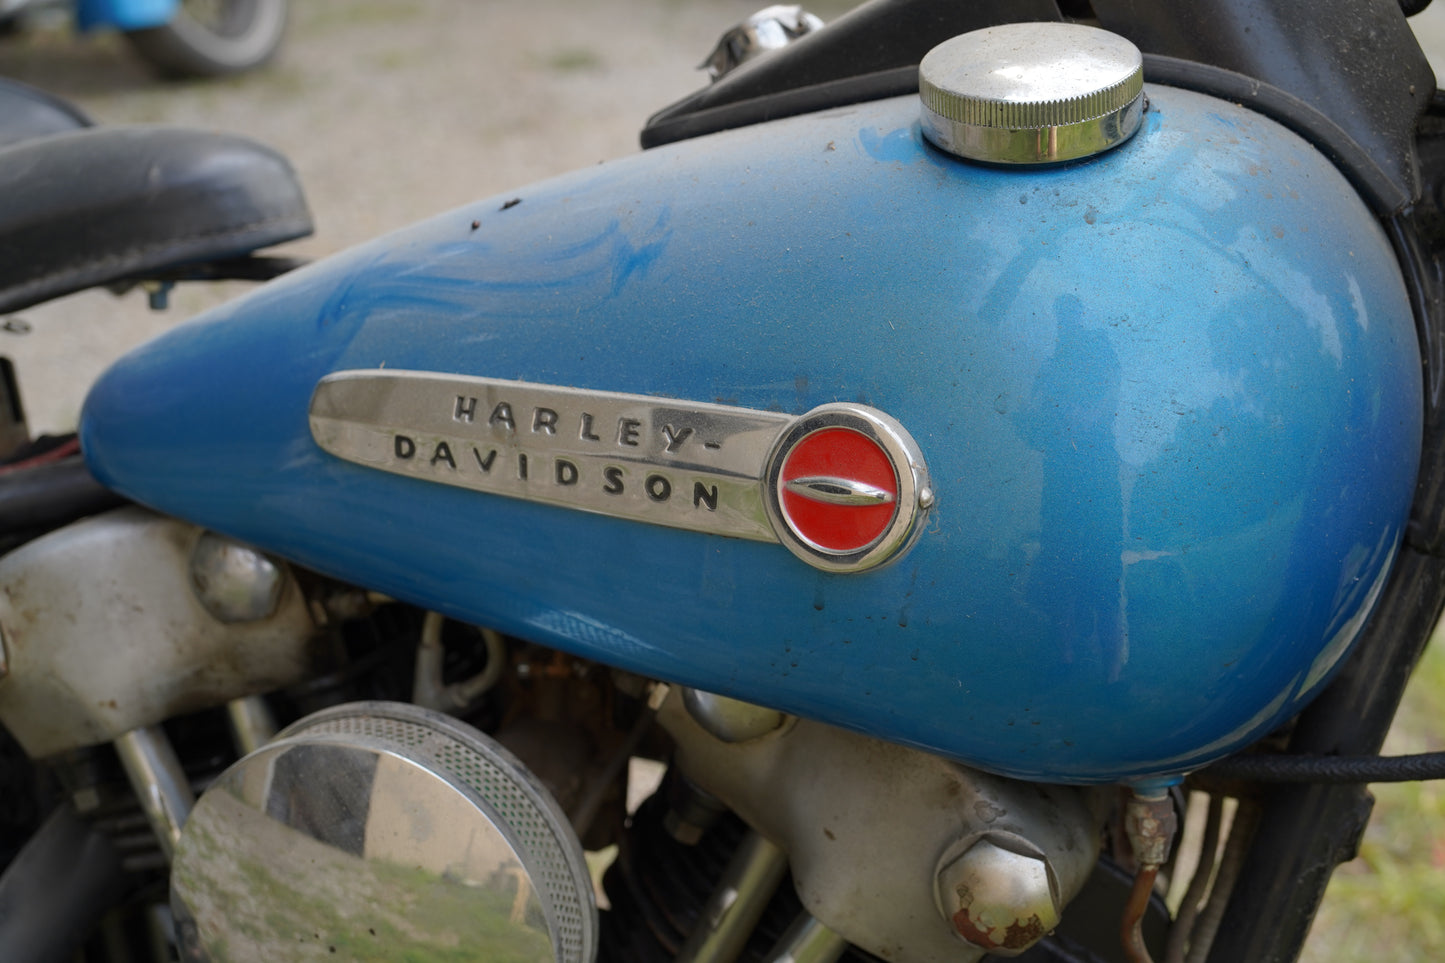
x,y
381,830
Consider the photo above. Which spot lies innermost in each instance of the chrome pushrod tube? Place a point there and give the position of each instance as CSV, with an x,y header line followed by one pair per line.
x,y
737,903
159,782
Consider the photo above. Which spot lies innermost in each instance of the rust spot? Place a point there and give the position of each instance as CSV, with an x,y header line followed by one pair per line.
x,y
1024,933
829,833
476,224
1018,935
988,812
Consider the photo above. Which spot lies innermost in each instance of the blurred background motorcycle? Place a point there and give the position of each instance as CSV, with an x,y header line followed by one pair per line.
x,y
178,38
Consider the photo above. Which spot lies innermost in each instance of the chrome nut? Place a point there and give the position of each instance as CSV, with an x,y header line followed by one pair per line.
x,y
1151,825
769,29
1000,894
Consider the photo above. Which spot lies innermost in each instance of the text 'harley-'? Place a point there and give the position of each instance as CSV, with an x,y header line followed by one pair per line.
x,y
843,487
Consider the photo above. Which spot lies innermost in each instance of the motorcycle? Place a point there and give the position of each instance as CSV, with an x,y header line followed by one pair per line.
x,y
181,38
963,430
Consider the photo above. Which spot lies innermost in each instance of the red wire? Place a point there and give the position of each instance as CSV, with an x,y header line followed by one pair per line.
x,y
58,453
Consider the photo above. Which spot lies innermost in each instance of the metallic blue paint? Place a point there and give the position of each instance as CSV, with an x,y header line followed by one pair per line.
x,y
1170,399
124,14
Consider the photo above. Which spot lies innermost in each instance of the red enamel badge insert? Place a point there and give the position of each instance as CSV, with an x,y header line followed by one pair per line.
x,y
839,490
846,487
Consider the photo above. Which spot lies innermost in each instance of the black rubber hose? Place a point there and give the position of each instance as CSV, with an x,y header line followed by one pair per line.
x,y
51,495
1334,770
64,880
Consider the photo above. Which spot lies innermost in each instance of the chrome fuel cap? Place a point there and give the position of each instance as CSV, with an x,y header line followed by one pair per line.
x,y
1031,93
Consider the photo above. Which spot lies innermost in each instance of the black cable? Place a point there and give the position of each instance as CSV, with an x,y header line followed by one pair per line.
x,y
50,495
1333,770
250,267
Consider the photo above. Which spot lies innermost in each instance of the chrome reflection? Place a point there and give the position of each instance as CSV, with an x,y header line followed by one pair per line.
x,y
381,831
771,28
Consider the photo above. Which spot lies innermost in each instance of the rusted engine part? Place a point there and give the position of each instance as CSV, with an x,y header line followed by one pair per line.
x,y
106,630
575,724
1151,825
891,847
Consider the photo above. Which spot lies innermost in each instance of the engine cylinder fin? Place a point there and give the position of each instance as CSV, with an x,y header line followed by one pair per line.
x,y
658,887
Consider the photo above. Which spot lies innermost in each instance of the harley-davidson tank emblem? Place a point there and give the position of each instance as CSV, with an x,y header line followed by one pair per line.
x,y
843,486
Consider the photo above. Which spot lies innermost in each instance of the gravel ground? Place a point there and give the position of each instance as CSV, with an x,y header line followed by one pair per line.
x,y
391,110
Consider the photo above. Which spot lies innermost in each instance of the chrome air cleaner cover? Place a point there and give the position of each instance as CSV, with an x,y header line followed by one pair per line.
x,y
381,831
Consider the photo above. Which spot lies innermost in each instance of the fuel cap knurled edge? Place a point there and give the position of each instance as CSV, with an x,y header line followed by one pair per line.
x,y
1031,93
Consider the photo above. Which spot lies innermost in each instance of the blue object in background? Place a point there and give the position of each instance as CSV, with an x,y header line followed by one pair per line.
x,y
124,14
1169,397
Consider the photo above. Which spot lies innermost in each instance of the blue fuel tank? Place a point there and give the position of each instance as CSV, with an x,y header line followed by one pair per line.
x,y
1169,400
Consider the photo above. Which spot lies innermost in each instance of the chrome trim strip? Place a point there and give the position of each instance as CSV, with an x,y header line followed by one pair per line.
x,y
681,464
838,491
695,466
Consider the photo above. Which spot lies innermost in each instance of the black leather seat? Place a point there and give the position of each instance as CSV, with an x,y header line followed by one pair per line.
x,y
26,113
96,205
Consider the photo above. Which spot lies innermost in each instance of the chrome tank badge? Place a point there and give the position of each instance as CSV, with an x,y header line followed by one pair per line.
x,y
843,487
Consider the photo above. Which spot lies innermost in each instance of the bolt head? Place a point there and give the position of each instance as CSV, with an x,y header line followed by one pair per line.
x,y
1000,894
235,582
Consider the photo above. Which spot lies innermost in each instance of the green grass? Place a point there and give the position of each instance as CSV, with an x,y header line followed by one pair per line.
x,y
1389,904
573,60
